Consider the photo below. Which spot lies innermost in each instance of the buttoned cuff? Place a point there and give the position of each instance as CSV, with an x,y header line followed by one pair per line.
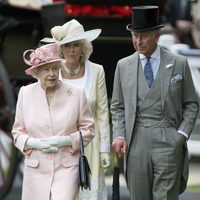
x,y
104,148
120,137
183,133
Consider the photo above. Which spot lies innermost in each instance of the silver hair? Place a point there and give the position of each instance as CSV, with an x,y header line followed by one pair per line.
x,y
87,50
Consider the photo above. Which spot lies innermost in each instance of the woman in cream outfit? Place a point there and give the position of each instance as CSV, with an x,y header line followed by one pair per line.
x,y
49,116
76,48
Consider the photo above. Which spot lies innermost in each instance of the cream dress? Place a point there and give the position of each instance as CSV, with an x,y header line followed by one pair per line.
x,y
94,85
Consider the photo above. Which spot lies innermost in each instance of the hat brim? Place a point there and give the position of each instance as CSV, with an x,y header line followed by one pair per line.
x,y
130,28
87,35
29,71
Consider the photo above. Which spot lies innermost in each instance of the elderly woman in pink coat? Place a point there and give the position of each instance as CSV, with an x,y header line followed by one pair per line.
x,y
49,116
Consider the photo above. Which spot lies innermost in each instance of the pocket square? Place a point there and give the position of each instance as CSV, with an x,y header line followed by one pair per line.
x,y
176,78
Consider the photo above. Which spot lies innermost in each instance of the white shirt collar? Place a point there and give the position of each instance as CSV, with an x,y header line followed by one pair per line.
x,y
155,54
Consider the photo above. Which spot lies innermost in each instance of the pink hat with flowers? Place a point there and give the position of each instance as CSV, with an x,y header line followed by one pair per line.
x,y
43,55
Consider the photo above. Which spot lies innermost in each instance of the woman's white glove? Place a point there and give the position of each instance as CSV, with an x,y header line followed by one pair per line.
x,y
45,146
105,160
60,141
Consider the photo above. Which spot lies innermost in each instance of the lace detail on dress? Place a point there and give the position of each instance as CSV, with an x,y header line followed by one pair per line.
x,y
98,191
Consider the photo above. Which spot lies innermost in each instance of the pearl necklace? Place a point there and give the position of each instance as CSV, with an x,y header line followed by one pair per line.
x,y
50,96
72,71
50,99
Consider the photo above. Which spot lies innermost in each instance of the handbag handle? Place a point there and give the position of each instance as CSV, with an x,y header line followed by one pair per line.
x,y
81,144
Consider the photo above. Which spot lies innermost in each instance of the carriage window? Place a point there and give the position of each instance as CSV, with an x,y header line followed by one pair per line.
x,y
4,109
2,95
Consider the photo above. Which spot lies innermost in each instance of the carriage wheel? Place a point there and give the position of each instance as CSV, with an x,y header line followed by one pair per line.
x,y
8,160
8,153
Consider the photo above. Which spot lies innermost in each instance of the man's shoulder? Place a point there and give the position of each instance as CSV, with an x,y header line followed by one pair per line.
x,y
128,58
167,54
31,87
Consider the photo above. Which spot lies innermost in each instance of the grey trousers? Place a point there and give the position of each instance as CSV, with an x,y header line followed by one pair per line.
x,y
154,164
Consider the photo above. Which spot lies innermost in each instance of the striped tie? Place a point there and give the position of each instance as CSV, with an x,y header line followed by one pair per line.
x,y
148,72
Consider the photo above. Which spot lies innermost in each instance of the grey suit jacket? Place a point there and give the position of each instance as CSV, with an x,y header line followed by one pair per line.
x,y
178,96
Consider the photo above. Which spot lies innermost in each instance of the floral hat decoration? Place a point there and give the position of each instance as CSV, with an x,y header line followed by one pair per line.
x,y
43,55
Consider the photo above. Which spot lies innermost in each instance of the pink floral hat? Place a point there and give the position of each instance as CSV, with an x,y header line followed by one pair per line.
x,y
43,55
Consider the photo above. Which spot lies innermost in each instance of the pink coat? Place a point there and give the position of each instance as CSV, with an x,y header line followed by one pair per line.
x,y
54,174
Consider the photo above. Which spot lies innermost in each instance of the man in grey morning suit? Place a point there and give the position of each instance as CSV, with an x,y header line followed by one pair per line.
x,y
154,109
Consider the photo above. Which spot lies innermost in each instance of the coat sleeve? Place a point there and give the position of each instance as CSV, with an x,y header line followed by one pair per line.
x,y
19,131
190,106
85,124
102,112
117,107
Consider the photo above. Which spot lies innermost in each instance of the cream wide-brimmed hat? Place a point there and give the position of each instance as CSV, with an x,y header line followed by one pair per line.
x,y
72,31
43,55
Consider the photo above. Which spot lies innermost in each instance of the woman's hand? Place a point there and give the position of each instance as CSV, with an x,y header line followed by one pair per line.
x,y
45,146
59,141
105,160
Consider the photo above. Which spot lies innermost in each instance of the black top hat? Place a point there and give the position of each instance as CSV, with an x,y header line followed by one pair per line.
x,y
144,18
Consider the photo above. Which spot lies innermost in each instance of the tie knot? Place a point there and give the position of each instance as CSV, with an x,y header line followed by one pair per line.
x,y
148,58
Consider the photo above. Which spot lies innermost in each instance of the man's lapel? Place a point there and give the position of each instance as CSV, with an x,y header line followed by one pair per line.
x,y
167,68
132,77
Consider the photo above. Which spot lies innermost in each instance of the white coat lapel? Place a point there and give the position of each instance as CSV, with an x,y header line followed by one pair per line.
x,y
89,75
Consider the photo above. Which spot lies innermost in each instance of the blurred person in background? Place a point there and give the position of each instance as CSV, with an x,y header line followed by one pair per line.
x,y
196,22
49,116
154,108
178,20
76,48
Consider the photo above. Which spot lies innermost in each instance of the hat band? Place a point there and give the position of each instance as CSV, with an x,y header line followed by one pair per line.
x,y
78,31
144,26
38,61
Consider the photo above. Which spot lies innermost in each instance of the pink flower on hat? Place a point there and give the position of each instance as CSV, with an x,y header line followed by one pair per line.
x,y
40,56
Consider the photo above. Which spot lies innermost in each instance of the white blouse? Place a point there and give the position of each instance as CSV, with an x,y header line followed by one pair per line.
x,y
85,81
